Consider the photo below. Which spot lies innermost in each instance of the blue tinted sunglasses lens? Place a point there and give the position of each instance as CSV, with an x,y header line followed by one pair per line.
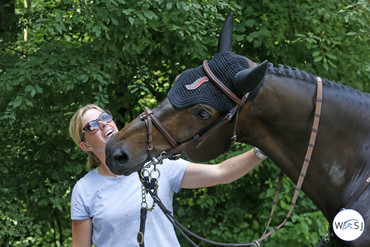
x,y
105,117
93,126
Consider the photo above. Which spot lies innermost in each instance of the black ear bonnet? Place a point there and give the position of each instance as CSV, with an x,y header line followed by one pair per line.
x,y
194,87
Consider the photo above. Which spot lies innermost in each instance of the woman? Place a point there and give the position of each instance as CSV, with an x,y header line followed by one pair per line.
x,y
105,208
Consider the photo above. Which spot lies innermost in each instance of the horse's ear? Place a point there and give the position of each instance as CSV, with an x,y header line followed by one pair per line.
x,y
247,79
225,39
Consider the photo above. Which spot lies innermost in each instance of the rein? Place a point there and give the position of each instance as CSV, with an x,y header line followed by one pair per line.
x,y
359,191
306,162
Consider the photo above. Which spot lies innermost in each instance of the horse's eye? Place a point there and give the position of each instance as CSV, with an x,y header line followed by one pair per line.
x,y
204,115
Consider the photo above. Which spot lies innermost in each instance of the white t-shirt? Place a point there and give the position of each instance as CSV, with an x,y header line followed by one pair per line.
x,y
114,203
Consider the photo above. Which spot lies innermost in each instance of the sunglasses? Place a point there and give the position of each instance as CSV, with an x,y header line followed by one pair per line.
x,y
93,126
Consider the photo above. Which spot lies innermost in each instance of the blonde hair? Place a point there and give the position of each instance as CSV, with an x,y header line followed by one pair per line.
x,y
75,131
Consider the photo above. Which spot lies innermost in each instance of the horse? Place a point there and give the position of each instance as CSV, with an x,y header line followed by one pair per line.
x,y
270,107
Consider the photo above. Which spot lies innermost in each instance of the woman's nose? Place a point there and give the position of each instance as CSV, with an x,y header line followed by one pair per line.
x,y
102,124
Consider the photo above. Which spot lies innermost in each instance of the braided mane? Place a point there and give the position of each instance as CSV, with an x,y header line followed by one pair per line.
x,y
287,71
281,70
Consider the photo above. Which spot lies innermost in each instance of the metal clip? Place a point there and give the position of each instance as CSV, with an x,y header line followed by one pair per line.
x,y
256,243
233,140
154,160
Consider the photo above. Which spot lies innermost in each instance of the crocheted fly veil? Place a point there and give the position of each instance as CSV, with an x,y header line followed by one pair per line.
x,y
194,87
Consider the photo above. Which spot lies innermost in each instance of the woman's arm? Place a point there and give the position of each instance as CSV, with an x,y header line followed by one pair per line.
x,y
201,175
81,233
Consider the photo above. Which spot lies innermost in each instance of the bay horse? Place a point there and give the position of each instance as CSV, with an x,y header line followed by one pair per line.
x,y
276,115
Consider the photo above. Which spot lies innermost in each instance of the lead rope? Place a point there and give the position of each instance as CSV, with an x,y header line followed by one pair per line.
x,y
151,183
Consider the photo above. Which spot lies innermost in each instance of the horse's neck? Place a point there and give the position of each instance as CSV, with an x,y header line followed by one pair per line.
x,y
280,116
279,121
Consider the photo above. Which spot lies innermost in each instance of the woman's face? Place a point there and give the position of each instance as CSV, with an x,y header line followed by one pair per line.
x,y
97,140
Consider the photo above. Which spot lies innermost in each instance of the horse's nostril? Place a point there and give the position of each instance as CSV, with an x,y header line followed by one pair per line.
x,y
120,158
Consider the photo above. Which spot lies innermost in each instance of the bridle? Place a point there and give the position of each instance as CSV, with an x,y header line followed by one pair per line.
x,y
150,118
173,153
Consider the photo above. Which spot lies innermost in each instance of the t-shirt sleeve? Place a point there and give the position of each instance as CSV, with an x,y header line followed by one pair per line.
x,y
78,209
175,171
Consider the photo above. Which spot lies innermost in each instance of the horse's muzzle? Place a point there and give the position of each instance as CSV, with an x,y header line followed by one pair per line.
x,y
116,158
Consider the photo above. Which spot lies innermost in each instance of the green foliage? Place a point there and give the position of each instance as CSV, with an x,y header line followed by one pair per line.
x,y
122,54
327,38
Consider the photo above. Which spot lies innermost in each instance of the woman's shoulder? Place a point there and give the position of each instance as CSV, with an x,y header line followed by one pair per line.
x,y
88,180
173,165
177,162
173,168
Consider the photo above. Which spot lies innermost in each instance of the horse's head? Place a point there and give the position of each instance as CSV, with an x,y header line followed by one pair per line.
x,y
197,119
